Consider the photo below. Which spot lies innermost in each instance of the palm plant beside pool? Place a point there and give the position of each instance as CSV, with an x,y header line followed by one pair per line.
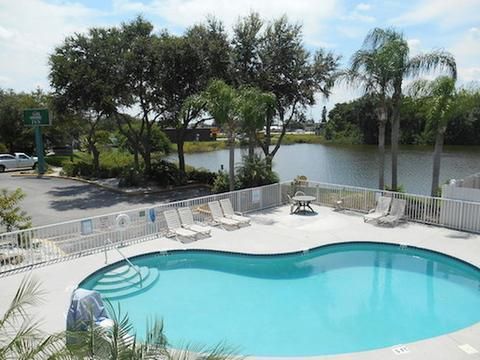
x,y
20,337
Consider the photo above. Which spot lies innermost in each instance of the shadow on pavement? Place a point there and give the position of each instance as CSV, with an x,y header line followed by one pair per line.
x,y
90,197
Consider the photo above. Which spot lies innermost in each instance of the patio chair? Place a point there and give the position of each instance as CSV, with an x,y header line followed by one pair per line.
x,y
175,227
227,208
186,217
383,204
299,193
397,212
219,218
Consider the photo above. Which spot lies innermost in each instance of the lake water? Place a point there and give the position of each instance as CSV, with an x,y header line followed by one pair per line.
x,y
356,165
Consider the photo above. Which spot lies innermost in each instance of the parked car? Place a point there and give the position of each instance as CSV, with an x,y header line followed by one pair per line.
x,y
17,161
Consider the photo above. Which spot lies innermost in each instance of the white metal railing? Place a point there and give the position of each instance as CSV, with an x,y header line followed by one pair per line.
x,y
38,245
25,248
129,263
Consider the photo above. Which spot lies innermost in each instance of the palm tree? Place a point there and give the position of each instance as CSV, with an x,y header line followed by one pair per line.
x,y
371,68
221,102
403,66
253,108
440,98
20,337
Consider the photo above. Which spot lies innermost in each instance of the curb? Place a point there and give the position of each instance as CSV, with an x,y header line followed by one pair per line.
x,y
114,189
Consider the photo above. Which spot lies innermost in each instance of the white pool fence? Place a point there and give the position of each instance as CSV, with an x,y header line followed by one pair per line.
x,y
39,245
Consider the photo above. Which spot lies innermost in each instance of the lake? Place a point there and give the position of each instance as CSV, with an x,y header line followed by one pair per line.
x,y
356,165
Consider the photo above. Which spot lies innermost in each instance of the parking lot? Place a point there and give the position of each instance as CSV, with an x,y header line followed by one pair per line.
x,y
53,200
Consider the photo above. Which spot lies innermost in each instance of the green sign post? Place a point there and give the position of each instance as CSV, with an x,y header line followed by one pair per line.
x,y
38,118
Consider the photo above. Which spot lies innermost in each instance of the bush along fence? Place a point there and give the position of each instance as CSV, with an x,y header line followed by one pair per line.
x,y
40,245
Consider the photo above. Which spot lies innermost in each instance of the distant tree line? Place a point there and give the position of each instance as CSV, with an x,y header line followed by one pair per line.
x,y
357,121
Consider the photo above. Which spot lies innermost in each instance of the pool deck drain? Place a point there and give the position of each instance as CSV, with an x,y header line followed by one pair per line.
x,y
275,231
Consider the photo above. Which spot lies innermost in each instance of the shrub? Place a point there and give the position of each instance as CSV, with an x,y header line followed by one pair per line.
x,y
202,176
165,173
131,177
221,182
255,172
3,148
112,164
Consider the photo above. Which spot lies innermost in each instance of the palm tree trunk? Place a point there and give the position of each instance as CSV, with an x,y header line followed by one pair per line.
x,y
437,156
381,153
395,138
231,161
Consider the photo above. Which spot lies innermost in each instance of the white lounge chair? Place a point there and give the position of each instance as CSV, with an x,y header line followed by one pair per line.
x,y
175,227
230,213
383,204
218,217
186,216
396,213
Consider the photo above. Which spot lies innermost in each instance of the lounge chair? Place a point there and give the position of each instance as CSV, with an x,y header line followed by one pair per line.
x,y
217,215
383,204
396,213
230,213
175,227
186,216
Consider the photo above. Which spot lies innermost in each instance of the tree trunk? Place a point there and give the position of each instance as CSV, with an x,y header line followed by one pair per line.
x,y
381,153
231,161
251,145
437,156
96,159
180,149
147,157
135,160
395,139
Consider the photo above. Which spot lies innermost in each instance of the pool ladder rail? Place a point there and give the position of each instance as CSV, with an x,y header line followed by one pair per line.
x,y
129,263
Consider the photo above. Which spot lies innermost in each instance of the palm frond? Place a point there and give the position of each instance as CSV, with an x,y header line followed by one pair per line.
x,y
436,60
28,294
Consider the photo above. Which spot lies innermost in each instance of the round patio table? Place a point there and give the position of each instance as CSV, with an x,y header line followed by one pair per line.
x,y
302,203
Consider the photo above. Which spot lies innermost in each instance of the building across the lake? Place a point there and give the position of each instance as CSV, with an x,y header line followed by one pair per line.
x,y
200,134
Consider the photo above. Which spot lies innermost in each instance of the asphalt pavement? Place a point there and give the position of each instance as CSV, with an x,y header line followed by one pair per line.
x,y
53,200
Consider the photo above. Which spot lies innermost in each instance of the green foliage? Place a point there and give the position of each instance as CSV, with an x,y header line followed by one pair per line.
x,y
338,130
20,337
131,177
289,139
221,183
12,217
201,176
3,148
112,164
166,174
253,172
204,146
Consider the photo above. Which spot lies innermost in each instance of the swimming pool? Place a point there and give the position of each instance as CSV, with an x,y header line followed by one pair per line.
x,y
333,299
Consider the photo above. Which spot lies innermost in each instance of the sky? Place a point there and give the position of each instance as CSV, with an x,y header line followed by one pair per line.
x,y
30,29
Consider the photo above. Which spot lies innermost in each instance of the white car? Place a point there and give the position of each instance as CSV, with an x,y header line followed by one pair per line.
x,y
17,161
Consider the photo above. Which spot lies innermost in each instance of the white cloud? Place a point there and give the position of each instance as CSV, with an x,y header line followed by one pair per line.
x,y
29,32
443,12
466,50
363,7
312,14
414,46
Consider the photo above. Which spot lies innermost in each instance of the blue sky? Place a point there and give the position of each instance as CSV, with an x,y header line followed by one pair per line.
x,y
30,29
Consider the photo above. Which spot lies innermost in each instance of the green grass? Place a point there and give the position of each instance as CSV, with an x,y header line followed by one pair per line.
x,y
290,139
203,146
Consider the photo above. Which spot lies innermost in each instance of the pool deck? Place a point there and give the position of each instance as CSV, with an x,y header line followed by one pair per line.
x,y
274,231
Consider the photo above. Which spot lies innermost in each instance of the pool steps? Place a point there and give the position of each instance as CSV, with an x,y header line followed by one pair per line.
x,y
124,281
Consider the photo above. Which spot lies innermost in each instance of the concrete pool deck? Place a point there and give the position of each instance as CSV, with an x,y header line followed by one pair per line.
x,y
273,231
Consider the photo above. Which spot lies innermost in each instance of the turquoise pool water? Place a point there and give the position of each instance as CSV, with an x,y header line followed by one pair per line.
x,y
335,299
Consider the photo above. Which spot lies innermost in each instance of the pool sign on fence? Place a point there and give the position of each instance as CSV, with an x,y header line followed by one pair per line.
x,y
38,118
